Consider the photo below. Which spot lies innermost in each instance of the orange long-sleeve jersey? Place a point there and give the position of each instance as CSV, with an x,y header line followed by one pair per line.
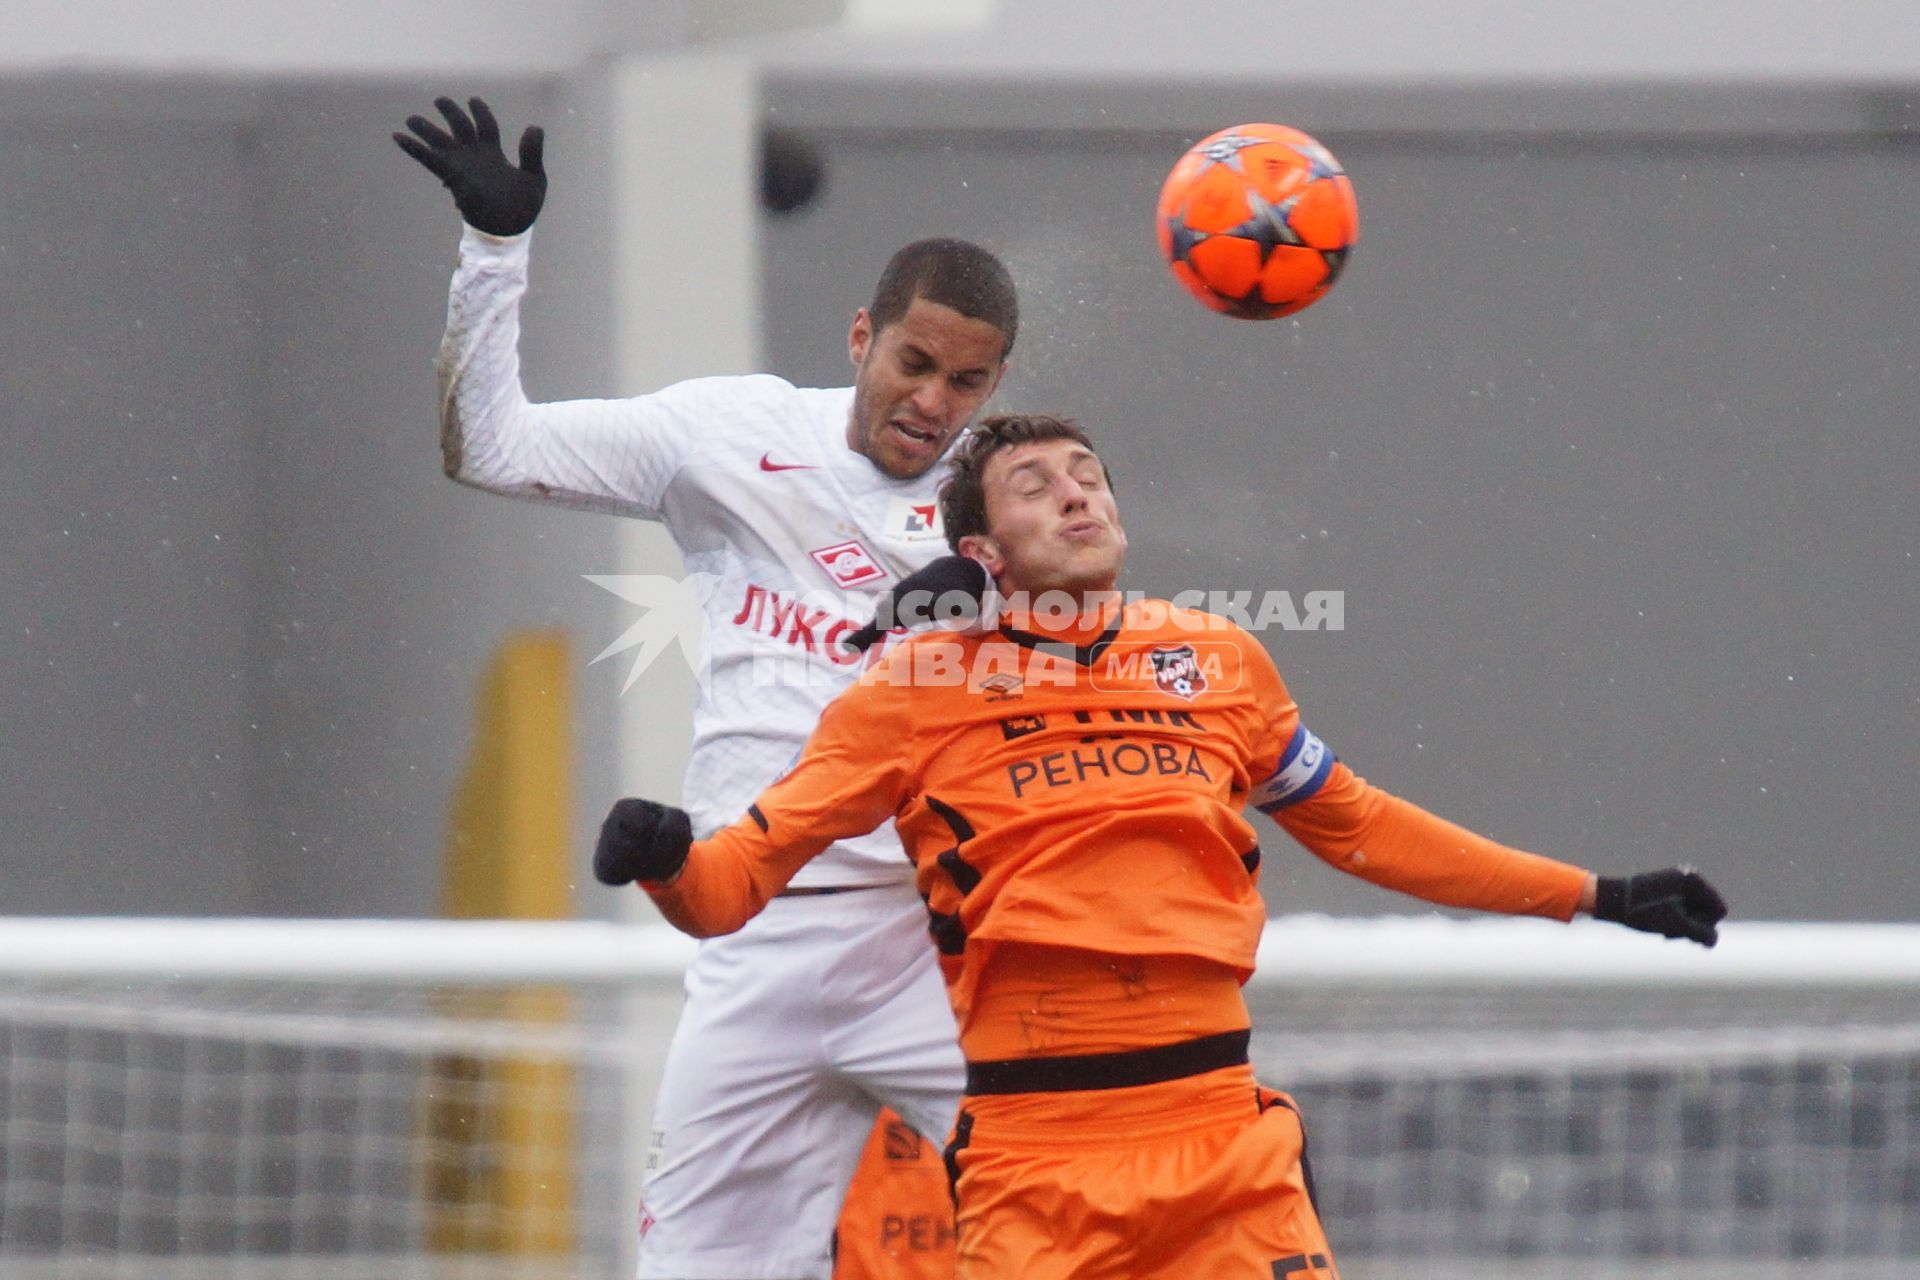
x,y
1090,797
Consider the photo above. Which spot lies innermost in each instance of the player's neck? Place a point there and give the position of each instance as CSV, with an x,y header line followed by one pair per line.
x,y
1076,615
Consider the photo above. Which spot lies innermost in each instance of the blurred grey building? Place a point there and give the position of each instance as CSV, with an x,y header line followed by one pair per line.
x,y
1606,436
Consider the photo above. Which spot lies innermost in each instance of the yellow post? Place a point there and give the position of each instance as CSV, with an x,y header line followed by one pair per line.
x,y
509,853
502,1177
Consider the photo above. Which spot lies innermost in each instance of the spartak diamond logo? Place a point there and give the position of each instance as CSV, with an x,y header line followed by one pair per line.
x,y
849,564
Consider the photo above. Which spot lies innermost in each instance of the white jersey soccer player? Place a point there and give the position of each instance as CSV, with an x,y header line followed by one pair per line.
x,y
796,535
802,507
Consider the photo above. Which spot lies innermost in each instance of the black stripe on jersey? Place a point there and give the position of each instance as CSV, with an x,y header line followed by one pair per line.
x,y
1086,655
966,876
948,934
956,821
1126,1069
962,1138
1251,859
1264,1099
753,811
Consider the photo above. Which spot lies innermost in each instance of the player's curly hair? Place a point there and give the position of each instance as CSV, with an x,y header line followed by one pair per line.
x,y
963,495
953,273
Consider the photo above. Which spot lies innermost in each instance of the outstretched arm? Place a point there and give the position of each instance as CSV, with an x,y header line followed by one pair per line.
x,y
853,775
616,456
1379,837
1393,843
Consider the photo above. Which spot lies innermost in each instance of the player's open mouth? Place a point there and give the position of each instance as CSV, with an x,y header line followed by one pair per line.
x,y
918,435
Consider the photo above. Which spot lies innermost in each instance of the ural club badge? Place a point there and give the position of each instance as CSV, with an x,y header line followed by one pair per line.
x,y
1177,670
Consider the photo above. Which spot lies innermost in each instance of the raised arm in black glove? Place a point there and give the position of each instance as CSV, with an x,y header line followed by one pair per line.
x,y
642,840
949,589
1675,903
493,196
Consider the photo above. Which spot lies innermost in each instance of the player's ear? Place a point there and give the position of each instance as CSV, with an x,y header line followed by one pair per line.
x,y
978,546
860,338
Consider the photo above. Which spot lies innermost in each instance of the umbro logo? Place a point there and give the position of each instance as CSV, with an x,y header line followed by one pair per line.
x,y
768,464
902,1141
1002,686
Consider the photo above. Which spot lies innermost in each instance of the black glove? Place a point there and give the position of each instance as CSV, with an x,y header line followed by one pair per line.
x,y
642,840
1676,903
493,196
950,589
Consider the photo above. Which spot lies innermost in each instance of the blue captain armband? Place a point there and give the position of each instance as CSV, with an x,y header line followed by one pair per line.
x,y
1303,770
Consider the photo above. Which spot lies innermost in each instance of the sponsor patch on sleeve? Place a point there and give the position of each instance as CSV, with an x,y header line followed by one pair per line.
x,y
1303,770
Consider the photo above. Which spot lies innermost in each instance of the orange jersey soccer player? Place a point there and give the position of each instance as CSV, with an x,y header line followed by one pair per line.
x,y
1070,787
897,1222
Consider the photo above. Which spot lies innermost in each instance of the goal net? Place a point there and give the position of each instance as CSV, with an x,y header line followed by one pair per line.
x,y
430,1099
302,1099
1586,1100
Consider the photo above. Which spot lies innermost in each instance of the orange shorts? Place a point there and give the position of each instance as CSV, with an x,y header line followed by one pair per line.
x,y
897,1222
1201,1176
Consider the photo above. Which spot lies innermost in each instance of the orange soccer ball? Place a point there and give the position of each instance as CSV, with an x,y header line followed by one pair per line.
x,y
1257,220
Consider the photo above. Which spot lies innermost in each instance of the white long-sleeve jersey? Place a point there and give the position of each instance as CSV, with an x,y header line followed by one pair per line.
x,y
790,534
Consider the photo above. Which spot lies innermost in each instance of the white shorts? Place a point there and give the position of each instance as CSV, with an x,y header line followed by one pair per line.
x,y
796,1029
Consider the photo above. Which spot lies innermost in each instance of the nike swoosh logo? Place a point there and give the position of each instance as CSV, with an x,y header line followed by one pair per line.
x,y
768,464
